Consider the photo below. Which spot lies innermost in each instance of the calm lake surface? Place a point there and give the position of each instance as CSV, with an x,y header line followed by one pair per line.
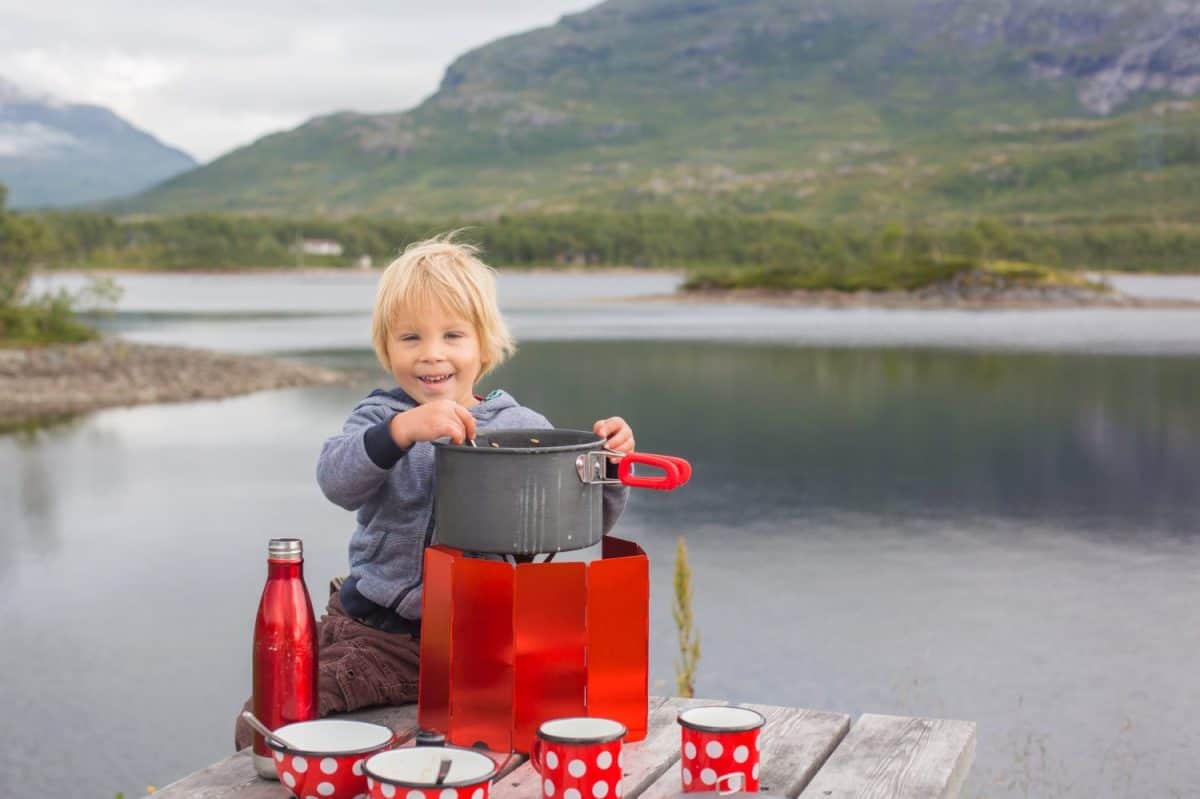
x,y
989,516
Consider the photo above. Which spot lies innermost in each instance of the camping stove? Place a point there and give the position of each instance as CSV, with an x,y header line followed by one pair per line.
x,y
507,646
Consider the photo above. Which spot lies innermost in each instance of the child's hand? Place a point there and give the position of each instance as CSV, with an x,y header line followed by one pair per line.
x,y
432,420
617,435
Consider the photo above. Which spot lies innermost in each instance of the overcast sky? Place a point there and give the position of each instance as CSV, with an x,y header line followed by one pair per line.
x,y
210,76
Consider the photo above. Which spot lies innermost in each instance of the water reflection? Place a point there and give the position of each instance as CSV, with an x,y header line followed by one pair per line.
x,y
1008,538
782,432
32,527
28,488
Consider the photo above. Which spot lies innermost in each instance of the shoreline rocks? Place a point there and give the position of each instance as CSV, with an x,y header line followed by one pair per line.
x,y
62,380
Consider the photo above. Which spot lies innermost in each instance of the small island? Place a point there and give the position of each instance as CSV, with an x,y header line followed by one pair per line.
x,y
968,285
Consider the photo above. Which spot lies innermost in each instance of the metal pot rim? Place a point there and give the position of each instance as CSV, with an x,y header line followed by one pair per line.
x,y
444,442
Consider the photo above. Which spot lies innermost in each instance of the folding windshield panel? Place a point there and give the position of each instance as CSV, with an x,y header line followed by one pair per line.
x,y
549,618
433,701
619,640
481,671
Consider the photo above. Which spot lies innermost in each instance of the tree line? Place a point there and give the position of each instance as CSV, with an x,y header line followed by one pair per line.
x,y
592,238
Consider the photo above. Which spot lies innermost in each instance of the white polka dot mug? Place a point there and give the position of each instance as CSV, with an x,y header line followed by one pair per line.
x,y
327,761
412,773
719,749
579,758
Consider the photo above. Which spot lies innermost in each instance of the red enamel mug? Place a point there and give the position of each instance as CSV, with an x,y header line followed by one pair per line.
x,y
412,773
329,756
579,758
720,749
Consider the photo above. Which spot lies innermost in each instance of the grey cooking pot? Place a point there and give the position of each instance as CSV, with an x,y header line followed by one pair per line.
x,y
529,491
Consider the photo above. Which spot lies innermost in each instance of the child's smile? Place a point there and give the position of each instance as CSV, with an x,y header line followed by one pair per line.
x,y
439,385
435,355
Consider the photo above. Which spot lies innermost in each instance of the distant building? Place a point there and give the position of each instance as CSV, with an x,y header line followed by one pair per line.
x,y
320,247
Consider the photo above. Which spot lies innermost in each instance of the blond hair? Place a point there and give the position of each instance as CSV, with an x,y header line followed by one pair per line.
x,y
443,274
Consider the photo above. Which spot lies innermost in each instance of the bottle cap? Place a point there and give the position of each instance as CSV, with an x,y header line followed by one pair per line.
x,y
285,549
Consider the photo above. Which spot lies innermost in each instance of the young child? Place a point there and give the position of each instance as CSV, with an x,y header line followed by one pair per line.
x,y
437,329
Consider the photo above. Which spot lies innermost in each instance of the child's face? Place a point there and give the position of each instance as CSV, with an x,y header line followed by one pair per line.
x,y
435,355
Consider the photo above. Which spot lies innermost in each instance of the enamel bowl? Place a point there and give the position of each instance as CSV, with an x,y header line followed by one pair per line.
x,y
329,755
412,773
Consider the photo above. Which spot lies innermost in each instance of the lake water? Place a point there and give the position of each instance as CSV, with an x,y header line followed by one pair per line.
x,y
991,516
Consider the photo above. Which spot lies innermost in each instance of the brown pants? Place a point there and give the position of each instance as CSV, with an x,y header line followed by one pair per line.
x,y
358,666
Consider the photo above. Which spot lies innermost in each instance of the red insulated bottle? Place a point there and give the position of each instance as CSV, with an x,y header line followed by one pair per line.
x,y
285,648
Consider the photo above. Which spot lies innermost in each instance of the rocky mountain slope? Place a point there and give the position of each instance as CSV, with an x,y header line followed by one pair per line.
x,y
828,107
57,154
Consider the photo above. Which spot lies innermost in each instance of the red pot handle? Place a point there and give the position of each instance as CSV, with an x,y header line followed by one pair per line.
x,y
676,471
685,468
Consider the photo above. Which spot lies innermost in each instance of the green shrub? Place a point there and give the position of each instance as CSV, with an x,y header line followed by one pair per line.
x,y
43,320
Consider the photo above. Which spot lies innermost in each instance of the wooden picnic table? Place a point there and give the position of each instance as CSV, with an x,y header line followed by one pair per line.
x,y
805,753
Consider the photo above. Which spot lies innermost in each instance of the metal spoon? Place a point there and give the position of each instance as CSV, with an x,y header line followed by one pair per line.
x,y
253,721
443,767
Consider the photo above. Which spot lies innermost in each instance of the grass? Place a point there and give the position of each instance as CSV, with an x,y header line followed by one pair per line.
x,y
681,611
1025,274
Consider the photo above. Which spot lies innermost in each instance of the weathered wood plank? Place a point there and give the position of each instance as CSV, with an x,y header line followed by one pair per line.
x,y
235,776
402,719
647,761
894,757
795,742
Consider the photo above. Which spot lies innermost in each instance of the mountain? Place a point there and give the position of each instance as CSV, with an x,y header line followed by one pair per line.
x,y
55,154
822,107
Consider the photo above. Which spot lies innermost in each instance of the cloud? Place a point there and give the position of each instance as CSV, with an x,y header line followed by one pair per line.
x,y
213,76
31,140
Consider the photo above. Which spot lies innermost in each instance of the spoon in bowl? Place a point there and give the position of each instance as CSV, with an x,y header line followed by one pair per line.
x,y
253,721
